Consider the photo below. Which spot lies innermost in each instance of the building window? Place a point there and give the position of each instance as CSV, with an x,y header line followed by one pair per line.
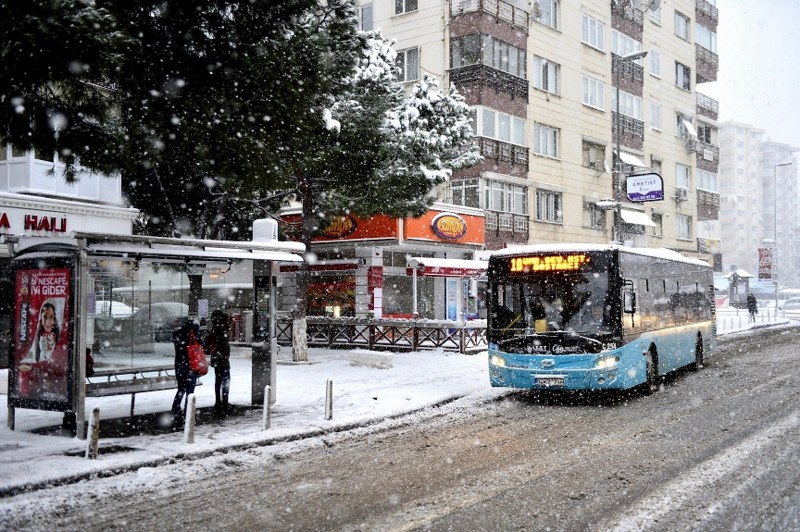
x,y
655,15
545,75
593,92
658,219
548,206
683,76
684,227
404,6
684,128
408,63
655,165
505,197
465,192
593,217
465,50
593,32
682,26
548,13
704,133
500,126
706,38
485,49
683,175
594,155
365,18
629,104
655,62
545,140
621,44
707,180
655,115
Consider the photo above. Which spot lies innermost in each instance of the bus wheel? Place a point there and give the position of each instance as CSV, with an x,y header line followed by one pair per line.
x,y
651,365
698,354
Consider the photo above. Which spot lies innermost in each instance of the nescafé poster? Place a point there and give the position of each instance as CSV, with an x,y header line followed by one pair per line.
x,y
41,336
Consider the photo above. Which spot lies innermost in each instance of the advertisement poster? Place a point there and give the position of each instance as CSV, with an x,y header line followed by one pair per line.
x,y
42,337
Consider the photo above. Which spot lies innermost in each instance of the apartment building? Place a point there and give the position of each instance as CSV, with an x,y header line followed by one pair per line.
x,y
570,99
760,203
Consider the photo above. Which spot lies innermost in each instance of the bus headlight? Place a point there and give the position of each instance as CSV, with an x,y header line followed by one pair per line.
x,y
498,361
606,362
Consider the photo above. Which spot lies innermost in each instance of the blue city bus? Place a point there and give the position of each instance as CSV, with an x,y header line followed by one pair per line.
x,y
596,317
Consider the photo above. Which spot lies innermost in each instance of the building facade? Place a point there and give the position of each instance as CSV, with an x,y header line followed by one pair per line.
x,y
566,110
577,107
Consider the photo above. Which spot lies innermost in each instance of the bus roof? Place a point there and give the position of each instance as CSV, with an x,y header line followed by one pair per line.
x,y
660,253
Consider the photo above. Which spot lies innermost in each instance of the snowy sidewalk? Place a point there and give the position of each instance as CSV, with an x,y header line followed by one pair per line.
x,y
362,395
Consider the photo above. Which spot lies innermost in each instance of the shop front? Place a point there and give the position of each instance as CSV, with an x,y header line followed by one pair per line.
x,y
361,266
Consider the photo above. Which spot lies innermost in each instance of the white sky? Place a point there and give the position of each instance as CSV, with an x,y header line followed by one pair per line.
x,y
759,80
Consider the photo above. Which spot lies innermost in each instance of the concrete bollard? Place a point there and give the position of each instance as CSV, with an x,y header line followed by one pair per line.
x,y
94,435
188,428
329,399
266,416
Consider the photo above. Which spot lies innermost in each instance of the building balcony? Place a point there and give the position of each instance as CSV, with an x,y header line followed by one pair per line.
x,y
707,106
627,69
503,227
627,19
707,205
706,9
707,64
632,131
503,152
479,76
497,9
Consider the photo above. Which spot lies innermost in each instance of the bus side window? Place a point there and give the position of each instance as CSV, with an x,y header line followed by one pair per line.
x,y
629,302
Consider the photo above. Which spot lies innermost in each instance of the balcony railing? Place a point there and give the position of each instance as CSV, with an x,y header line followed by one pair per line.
x,y
628,69
707,8
497,8
503,152
705,55
628,125
506,222
628,12
707,104
482,75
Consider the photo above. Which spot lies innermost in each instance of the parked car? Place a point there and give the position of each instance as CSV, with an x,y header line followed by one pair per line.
x,y
791,304
108,313
157,321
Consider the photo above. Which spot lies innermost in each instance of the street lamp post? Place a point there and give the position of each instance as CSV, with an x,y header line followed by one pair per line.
x,y
775,229
617,181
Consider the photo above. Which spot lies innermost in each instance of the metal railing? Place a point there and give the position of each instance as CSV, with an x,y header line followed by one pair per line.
x,y
497,8
394,335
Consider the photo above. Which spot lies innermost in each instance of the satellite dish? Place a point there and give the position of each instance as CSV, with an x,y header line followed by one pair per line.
x,y
654,4
606,167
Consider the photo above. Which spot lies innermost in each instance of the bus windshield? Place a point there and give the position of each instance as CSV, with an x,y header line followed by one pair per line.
x,y
573,302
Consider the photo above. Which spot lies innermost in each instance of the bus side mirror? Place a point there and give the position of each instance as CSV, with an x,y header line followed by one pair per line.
x,y
629,302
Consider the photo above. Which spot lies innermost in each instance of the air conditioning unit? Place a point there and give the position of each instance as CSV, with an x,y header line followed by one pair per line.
x,y
682,194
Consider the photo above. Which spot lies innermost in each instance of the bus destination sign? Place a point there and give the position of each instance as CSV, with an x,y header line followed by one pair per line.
x,y
548,263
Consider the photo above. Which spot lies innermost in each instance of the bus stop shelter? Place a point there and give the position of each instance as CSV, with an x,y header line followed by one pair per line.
x,y
70,284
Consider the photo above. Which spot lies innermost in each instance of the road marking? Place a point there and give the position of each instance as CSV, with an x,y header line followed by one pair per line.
x,y
647,512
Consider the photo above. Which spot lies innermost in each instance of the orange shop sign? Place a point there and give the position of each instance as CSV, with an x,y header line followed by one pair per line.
x,y
446,227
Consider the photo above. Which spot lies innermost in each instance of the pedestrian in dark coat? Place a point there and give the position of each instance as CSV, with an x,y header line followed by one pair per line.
x,y
185,377
752,306
219,349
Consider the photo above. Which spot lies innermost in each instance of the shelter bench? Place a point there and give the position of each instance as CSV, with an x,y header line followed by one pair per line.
x,y
119,381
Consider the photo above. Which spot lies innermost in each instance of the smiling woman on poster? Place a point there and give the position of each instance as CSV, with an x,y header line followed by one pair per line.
x,y
46,332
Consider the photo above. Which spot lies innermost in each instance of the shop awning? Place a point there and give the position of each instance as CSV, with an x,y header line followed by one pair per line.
x,y
632,160
636,218
435,267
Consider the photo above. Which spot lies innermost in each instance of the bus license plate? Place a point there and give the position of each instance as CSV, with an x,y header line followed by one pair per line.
x,y
548,381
